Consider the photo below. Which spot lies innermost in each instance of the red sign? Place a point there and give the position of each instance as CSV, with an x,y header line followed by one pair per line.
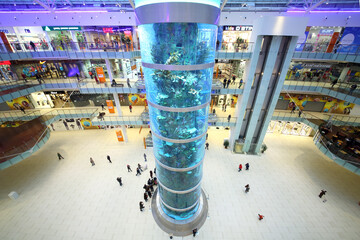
x,y
108,30
5,63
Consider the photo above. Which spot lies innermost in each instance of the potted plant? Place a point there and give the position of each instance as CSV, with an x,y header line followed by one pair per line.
x,y
226,143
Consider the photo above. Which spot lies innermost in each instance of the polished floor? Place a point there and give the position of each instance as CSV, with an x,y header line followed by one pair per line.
x,y
70,199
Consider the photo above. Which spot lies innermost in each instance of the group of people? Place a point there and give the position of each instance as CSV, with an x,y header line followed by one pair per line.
x,y
149,188
227,82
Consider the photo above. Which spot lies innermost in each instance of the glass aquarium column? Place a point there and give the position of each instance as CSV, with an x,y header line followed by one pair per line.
x,y
177,41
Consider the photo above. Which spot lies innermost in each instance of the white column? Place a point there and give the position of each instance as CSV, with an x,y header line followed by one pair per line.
x,y
74,39
123,129
343,74
109,69
48,41
19,38
117,103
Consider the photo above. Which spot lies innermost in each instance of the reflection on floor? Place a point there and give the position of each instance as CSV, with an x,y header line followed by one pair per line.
x,y
69,199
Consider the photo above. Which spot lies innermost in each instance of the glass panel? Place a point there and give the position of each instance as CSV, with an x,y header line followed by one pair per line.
x,y
179,125
180,215
178,89
178,43
215,3
179,155
179,181
179,200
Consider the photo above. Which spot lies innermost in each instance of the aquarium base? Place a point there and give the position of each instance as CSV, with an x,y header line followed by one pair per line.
x,y
179,228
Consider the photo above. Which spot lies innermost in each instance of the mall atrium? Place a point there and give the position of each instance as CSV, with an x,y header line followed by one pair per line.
x,y
179,119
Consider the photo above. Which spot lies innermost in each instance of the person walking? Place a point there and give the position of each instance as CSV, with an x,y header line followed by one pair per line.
x,y
138,172
108,158
145,157
333,83
78,123
66,125
293,109
229,117
32,44
228,83
151,174
128,168
247,166
241,83
103,107
119,180
247,188
300,112
149,193
22,109
207,146
240,167
223,107
233,79
78,77
130,108
59,156
141,205
139,166
92,162
322,193
194,232
224,82
207,135
128,83
145,197
352,88
261,217
155,170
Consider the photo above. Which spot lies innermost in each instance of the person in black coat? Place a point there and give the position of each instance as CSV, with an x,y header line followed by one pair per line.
x,y
141,205
108,158
145,197
119,180
225,82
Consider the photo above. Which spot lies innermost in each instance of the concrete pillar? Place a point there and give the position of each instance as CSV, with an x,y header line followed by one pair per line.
x,y
109,69
117,103
74,39
343,74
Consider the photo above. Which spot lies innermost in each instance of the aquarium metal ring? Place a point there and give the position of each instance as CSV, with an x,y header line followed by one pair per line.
x,y
177,140
179,169
171,109
169,12
179,209
180,192
179,67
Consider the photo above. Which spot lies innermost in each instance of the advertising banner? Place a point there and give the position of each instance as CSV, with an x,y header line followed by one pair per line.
x,y
16,103
350,40
119,136
110,106
101,75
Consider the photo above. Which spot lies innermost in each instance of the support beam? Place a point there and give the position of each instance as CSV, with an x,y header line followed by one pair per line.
x,y
43,5
314,6
223,5
132,4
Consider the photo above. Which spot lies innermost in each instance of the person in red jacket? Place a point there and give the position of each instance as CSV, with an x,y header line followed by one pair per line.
x,y
240,167
261,217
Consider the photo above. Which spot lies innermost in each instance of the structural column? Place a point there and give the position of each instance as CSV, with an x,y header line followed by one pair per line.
x,y
109,69
178,53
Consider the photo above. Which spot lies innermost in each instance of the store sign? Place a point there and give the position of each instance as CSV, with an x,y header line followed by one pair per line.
x,y
55,92
61,28
326,31
4,30
27,30
108,30
315,65
5,63
238,28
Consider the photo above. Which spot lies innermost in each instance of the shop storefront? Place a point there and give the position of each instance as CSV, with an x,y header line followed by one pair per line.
x,y
59,99
290,128
36,35
90,100
235,38
65,37
6,73
9,41
109,37
320,39
312,71
41,100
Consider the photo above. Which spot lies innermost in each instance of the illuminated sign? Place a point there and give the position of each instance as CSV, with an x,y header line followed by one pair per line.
x,y
61,28
108,30
238,28
326,31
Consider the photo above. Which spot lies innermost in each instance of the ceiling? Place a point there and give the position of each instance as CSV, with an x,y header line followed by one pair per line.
x,y
231,5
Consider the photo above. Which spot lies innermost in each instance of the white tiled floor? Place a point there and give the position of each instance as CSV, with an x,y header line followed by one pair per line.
x,y
69,199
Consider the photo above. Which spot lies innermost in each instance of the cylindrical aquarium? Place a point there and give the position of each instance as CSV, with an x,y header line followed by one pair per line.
x,y
178,62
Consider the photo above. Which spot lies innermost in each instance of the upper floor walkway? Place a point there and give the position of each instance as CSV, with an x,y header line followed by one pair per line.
x,y
92,50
